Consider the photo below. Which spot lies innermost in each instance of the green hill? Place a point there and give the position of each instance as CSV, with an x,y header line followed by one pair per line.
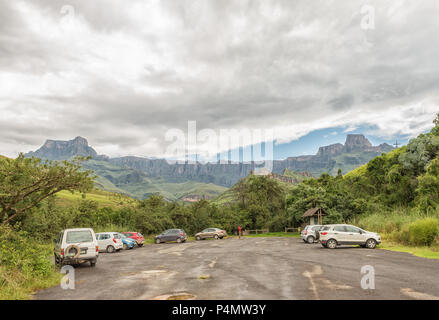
x,y
138,185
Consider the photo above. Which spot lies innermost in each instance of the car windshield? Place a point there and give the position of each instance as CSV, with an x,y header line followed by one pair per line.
x,y
79,236
123,236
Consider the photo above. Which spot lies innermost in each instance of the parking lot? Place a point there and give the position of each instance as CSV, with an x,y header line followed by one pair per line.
x,y
251,268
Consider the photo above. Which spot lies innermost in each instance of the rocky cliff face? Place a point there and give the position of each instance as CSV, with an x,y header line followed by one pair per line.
x,y
62,150
356,151
356,142
330,150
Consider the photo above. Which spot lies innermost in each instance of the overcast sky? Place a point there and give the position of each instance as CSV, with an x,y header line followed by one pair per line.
x,y
121,73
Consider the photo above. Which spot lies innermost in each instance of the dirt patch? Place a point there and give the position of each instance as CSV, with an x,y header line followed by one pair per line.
x,y
149,274
176,296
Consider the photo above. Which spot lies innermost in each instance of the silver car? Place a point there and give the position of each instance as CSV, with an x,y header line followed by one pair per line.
x,y
335,235
311,233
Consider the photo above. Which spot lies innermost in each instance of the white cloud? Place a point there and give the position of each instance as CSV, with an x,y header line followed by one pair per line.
x,y
122,73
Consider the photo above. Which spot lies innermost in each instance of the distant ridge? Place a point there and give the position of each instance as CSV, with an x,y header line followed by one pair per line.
x,y
356,151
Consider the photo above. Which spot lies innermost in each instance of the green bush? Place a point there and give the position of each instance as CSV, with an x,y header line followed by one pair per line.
x,y
25,265
21,253
423,232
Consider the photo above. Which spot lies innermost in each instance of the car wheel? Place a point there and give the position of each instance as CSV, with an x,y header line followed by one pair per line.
x,y
157,241
111,249
198,238
371,244
331,244
125,247
216,237
93,263
178,240
310,239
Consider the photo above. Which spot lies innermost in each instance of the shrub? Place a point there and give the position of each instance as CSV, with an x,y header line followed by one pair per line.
x,y
423,232
25,265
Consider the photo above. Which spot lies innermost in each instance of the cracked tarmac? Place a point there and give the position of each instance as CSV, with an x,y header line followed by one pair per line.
x,y
251,268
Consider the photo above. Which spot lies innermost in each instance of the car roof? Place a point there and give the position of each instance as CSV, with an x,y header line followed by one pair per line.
x,y
78,229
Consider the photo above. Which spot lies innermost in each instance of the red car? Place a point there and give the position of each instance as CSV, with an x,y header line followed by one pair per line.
x,y
140,239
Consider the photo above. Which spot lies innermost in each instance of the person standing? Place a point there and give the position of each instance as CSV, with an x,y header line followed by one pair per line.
x,y
239,232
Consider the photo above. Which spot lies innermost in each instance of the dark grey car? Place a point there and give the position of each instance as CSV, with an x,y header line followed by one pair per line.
x,y
171,235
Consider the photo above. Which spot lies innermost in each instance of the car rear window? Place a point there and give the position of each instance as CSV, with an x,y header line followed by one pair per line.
x,y
79,236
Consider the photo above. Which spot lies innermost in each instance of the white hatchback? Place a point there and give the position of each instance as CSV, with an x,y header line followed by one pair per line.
x,y
335,235
109,241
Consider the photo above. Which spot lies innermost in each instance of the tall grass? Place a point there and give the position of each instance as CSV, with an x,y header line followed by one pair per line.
x,y
25,265
408,226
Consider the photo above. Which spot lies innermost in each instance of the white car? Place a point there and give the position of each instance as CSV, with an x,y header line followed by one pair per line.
x,y
109,241
335,235
75,246
311,233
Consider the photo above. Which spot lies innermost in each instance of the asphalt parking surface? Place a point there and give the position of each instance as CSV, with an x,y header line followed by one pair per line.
x,y
251,268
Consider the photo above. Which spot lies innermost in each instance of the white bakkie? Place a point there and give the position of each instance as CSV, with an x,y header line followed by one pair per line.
x,y
75,246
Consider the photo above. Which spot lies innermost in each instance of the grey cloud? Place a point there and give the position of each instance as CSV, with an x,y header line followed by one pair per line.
x,y
226,64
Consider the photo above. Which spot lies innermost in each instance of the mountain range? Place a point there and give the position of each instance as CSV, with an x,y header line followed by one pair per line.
x,y
191,181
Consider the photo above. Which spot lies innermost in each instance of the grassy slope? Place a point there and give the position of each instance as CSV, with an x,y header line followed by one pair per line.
x,y
173,191
142,186
103,198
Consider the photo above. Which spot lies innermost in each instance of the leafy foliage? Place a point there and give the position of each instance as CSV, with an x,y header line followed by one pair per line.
x,y
26,182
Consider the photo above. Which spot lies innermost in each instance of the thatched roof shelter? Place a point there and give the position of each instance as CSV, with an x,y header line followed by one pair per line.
x,y
314,212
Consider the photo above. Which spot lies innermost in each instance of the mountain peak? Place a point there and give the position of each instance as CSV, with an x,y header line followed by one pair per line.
x,y
80,140
356,142
64,150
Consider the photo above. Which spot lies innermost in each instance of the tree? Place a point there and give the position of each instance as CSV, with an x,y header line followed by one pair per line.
x,y
26,182
428,188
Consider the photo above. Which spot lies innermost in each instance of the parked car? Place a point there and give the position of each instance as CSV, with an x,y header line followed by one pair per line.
x,y
310,233
127,243
109,241
140,239
335,235
171,235
211,233
75,246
